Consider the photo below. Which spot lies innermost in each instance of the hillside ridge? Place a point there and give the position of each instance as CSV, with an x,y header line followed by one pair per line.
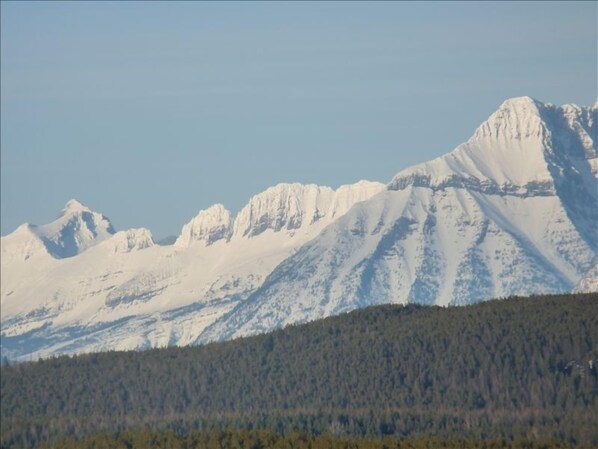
x,y
502,369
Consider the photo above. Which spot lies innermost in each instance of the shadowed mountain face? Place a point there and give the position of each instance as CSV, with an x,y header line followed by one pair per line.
x,y
512,211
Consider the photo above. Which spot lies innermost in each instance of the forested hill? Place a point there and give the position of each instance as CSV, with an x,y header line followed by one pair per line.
x,y
521,367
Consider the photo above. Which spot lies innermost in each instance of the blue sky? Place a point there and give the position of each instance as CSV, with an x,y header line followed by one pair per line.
x,y
149,112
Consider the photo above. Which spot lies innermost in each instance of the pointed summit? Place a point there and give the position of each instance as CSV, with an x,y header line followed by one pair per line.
x,y
507,151
524,102
75,229
516,119
73,206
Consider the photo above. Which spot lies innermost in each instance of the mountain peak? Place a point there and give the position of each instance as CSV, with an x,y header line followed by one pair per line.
x,y
516,119
524,102
209,225
511,151
73,206
75,229
130,240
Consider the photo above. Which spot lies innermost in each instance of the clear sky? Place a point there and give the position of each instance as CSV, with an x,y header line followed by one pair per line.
x,y
149,112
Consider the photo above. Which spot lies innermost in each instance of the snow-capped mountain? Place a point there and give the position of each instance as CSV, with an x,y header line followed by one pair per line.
x,y
76,229
511,211
125,292
514,210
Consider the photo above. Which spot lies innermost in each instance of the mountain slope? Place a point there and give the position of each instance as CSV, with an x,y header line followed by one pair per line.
x,y
512,211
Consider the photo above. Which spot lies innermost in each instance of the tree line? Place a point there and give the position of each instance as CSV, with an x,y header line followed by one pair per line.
x,y
504,369
268,439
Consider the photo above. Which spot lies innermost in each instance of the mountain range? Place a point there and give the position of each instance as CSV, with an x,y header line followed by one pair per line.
x,y
512,211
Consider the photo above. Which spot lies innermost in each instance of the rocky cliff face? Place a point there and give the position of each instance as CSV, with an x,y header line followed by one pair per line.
x,y
209,226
